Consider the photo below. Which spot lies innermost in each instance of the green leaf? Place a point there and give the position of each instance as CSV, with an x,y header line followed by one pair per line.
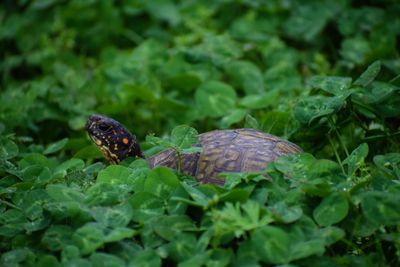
x,y
236,115
114,175
69,252
311,108
251,122
330,84
199,197
164,10
56,146
169,227
369,75
63,193
69,165
8,149
332,234
119,233
145,258
106,194
106,260
239,218
283,213
161,182
257,101
355,49
247,75
47,260
271,244
56,237
307,21
36,173
88,238
215,99
146,206
15,257
381,208
356,159
115,216
331,210
184,136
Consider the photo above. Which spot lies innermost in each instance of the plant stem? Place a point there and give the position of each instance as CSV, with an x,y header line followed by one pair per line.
x,y
336,154
331,124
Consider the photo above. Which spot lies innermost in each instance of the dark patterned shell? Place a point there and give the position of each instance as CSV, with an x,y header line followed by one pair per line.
x,y
227,151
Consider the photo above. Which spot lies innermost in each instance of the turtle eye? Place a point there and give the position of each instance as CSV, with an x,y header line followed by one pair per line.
x,y
104,127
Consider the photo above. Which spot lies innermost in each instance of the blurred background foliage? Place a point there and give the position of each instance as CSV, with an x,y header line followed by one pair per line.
x,y
210,64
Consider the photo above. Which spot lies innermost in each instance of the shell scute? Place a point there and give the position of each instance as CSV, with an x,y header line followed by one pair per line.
x,y
236,150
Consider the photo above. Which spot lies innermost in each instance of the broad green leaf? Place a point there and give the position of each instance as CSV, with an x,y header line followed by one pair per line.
x,y
355,49
251,122
78,262
56,237
168,227
115,216
15,257
70,252
106,194
257,101
307,21
356,158
114,175
369,75
199,197
246,255
247,75
389,163
331,210
236,115
311,108
88,238
145,258
119,233
36,173
184,136
69,165
8,149
330,84
283,76
35,158
283,213
56,146
215,99
161,182
146,206
182,247
381,208
47,260
217,50
12,222
332,234
106,260
60,192
307,248
165,10
271,244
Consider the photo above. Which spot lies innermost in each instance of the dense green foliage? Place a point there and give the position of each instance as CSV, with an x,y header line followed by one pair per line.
x,y
324,74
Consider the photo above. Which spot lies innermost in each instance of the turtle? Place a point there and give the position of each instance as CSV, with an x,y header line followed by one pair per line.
x,y
229,150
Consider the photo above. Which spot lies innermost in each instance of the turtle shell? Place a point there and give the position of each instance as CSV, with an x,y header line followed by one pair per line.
x,y
238,150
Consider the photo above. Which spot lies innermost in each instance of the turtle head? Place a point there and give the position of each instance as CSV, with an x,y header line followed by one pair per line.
x,y
114,140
